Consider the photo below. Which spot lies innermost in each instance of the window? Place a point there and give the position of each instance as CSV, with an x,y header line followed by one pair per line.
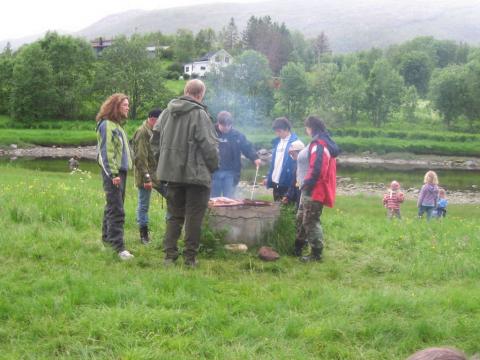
x,y
203,68
187,69
227,59
217,58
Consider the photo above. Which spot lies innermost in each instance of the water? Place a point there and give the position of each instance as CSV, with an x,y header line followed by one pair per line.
x,y
452,180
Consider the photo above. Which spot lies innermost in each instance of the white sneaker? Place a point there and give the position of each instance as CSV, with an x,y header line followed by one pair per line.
x,y
125,255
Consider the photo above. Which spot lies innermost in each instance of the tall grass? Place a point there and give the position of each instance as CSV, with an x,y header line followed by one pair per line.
x,y
383,290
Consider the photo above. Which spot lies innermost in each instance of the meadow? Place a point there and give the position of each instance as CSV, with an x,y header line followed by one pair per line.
x,y
383,290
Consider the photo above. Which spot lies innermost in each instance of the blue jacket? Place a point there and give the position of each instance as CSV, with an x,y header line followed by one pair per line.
x,y
231,147
288,166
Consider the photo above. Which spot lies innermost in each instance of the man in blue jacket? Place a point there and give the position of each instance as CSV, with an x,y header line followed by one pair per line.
x,y
232,144
282,167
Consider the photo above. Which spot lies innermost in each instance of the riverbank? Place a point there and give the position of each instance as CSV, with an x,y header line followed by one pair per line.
x,y
366,159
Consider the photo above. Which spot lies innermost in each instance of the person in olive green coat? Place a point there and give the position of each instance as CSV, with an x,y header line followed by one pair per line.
x,y
145,166
186,146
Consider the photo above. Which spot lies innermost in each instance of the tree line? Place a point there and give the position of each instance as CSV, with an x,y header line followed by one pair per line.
x,y
275,72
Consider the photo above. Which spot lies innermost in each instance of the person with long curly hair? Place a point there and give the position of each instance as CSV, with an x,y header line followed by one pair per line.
x,y
114,157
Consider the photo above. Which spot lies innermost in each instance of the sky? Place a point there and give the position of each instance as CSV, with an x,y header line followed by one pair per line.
x,y
20,18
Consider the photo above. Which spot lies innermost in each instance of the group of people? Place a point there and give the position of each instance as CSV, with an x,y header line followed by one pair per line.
x,y
432,200
186,158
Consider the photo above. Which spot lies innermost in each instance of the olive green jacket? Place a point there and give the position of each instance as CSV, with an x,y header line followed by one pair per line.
x,y
185,144
145,164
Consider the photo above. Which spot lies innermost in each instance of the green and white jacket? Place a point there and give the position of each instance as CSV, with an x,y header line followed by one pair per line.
x,y
113,151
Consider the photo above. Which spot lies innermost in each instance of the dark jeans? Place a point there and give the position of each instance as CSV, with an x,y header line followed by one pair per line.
x,y
186,204
279,191
114,213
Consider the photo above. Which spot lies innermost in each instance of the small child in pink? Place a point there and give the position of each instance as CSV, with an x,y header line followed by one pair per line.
x,y
393,199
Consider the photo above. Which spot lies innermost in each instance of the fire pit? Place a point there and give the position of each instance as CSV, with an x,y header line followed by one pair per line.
x,y
245,221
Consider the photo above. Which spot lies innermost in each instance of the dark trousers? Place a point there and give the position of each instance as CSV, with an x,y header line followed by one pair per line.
x,y
186,204
114,213
279,191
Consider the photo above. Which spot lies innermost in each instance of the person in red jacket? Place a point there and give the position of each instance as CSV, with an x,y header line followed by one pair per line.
x,y
318,188
393,199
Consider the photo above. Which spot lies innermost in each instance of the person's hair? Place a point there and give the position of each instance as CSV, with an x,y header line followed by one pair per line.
x,y
442,191
395,184
155,113
225,118
110,108
438,354
316,124
281,123
431,178
195,88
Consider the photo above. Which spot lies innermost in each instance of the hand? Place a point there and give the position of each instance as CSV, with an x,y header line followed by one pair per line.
x,y
148,186
116,181
258,163
285,200
265,182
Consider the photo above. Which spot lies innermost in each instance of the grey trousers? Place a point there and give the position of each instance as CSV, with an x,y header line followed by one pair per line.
x,y
114,213
186,205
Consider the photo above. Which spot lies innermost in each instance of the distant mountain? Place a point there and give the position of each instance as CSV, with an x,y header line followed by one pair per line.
x,y
349,24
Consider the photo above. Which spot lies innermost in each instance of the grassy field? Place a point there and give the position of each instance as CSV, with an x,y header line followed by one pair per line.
x,y
383,290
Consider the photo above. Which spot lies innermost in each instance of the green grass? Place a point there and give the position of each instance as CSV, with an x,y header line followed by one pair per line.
x,y
383,290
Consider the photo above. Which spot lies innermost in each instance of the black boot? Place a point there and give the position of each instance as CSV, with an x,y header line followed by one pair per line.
x,y
299,248
144,235
315,255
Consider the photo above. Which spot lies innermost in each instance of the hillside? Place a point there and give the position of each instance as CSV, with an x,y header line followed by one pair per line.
x,y
351,25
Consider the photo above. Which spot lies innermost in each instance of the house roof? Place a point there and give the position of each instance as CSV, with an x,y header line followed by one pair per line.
x,y
207,56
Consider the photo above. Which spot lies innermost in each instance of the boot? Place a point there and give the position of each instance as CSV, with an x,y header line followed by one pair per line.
x,y
144,235
298,249
315,255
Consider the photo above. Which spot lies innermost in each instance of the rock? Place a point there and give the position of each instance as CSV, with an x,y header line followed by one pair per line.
x,y
268,254
236,248
14,146
470,163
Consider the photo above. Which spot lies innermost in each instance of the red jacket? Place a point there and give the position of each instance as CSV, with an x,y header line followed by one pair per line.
x,y
321,179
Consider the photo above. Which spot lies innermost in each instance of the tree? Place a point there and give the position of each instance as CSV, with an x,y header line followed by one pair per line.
x,y
205,41
184,46
243,88
230,38
416,69
269,38
302,50
71,60
125,67
384,92
349,93
293,93
321,46
323,85
473,91
33,94
409,103
449,92
6,79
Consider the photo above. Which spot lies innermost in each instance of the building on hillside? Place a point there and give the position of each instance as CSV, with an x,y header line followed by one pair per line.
x,y
208,62
100,44
153,50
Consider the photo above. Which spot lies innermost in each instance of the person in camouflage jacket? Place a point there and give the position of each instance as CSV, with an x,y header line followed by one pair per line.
x,y
145,166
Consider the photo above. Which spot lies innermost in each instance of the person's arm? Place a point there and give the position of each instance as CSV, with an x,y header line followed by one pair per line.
x,y
315,168
142,149
155,139
421,196
106,150
207,141
248,150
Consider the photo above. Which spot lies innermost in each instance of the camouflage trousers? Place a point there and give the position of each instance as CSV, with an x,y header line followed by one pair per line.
x,y
308,226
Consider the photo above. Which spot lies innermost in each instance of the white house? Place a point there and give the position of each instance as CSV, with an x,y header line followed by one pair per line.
x,y
206,63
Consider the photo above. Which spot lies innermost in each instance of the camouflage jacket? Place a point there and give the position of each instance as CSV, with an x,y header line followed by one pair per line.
x,y
145,164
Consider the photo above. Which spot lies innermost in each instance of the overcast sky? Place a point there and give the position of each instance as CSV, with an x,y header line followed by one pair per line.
x,y
19,18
